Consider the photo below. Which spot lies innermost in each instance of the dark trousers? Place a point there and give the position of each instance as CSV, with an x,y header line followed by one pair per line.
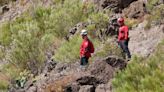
x,y
124,46
84,61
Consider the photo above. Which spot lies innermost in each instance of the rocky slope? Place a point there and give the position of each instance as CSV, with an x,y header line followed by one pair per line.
x,y
63,77
143,42
68,77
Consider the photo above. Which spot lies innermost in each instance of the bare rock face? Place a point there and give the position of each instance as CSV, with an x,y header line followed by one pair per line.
x,y
135,10
143,42
88,88
102,71
115,5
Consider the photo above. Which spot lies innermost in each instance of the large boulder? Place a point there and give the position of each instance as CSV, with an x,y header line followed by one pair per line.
x,y
115,5
87,88
102,71
135,10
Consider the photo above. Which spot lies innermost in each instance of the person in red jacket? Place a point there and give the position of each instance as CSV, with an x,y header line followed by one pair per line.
x,y
86,49
123,37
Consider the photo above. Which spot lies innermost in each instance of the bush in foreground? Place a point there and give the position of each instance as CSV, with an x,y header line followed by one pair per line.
x,y
142,75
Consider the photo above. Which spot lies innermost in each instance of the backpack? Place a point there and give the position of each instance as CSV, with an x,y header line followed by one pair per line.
x,y
91,48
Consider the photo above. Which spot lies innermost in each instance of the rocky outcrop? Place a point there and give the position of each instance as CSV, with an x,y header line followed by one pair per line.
x,y
64,77
135,10
114,5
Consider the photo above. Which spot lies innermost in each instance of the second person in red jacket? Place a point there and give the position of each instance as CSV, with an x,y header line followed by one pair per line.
x,y
123,37
86,49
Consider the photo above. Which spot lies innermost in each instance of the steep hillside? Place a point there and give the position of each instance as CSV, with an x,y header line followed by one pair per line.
x,y
40,42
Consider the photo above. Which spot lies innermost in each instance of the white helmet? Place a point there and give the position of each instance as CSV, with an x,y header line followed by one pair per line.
x,y
83,32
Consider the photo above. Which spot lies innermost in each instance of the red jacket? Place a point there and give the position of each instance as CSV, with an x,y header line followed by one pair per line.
x,y
86,48
123,33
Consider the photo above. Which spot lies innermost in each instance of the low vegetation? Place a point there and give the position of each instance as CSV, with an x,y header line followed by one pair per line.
x,y
109,49
131,23
142,75
26,40
156,14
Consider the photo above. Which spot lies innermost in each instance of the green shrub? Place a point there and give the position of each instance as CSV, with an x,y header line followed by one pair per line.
x,y
3,85
142,75
156,16
70,51
11,70
109,49
99,23
5,36
131,22
64,17
150,4
100,19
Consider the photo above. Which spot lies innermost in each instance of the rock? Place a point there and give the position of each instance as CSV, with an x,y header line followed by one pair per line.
x,y
32,89
76,29
116,62
102,71
5,8
136,9
72,88
103,88
49,66
88,80
114,5
61,67
143,42
113,26
161,1
87,88
98,73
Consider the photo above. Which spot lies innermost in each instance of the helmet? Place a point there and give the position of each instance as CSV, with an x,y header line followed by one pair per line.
x,y
120,20
83,32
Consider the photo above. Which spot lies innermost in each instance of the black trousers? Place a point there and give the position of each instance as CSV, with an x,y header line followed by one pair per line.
x,y
124,46
84,61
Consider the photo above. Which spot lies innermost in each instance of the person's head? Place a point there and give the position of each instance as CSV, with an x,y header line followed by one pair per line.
x,y
83,33
120,21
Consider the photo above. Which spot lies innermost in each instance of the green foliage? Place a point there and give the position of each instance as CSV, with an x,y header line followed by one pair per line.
x,y
92,30
142,75
58,1
5,36
156,16
2,53
131,22
150,4
68,51
22,79
109,49
28,37
3,85
11,70
63,17
100,19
